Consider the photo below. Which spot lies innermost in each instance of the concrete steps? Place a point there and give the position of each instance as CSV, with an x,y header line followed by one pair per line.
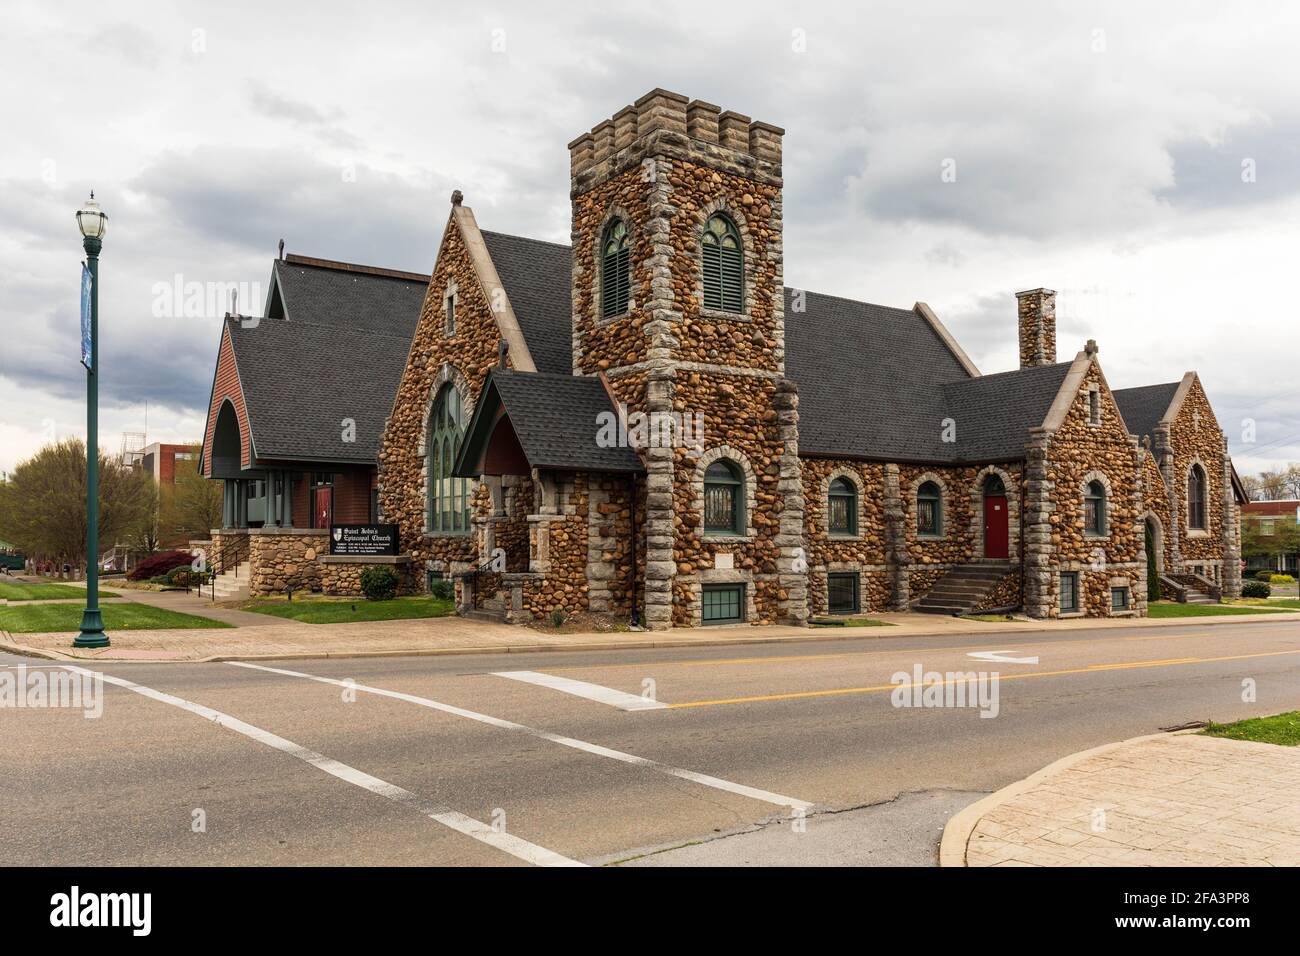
x,y
963,588
231,585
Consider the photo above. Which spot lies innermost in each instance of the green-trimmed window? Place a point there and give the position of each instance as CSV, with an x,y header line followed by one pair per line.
x,y
842,592
1069,592
1094,509
929,511
1196,498
1119,599
448,496
724,265
615,269
722,603
842,507
724,498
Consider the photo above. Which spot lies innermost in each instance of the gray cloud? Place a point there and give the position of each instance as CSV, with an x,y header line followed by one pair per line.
x,y
1076,166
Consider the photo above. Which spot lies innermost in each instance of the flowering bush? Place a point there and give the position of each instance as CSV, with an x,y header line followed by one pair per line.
x,y
158,564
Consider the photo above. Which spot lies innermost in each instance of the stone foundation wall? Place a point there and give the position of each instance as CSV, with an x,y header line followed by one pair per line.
x,y
283,558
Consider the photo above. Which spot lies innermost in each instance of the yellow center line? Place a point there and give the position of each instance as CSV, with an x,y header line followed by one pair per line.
x,y
1091,669
787,658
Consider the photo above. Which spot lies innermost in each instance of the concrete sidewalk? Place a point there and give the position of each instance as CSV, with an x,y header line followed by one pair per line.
x,y
1178,799
260,636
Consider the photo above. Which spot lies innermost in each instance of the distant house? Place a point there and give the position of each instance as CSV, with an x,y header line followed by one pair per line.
x,y
1262,520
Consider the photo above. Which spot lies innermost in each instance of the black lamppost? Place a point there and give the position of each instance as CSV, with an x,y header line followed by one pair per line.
x,y
93,224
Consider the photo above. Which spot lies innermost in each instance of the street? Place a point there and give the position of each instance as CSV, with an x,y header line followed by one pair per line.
x,y
780,754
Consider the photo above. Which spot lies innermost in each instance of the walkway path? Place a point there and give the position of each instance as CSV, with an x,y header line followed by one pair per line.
x,y
1164,800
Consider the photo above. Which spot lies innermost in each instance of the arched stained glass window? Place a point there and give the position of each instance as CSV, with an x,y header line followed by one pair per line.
x,y
1196,498
929,511
724,265
842,507
448,496
724,498
1094,509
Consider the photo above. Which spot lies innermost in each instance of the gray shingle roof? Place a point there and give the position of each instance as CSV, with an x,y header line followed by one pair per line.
x,y
301,380
555,418
874,382
344,299
878,382
538,278
1144,406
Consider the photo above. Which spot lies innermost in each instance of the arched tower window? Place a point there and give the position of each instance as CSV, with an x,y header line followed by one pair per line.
x,y
1196,498
615,270
929,511
842,508
448,496
1094,509
724,265
724,498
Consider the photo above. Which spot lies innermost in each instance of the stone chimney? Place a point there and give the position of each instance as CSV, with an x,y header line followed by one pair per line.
x,y
1036,312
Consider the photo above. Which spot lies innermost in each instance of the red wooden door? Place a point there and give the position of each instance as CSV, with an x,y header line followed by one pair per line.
x,y
324,507
995,526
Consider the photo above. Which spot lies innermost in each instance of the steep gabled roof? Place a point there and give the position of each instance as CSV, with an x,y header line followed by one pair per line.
x,y
556,419
1144,406
538,279
303,382
344,295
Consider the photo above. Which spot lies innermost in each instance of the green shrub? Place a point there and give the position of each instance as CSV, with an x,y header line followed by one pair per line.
x,y
1264,576
558,617
1281,579
443,589
379,582
1255,589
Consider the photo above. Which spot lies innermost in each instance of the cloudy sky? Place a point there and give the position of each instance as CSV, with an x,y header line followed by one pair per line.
x,y
1143,160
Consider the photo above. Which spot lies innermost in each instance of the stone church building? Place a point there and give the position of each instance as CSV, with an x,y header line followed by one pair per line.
x,y
648,423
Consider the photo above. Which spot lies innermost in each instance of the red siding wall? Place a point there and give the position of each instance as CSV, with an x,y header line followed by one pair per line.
x,y
226,386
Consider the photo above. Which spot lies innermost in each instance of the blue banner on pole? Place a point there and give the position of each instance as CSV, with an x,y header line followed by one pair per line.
x,y
85,317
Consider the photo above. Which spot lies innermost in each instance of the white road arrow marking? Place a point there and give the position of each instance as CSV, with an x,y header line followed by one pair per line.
x,y
1002,657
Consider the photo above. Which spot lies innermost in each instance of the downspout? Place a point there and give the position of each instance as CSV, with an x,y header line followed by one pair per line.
x,y
636,618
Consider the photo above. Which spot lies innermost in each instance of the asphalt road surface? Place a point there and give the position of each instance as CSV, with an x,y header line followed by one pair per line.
x,y
787,754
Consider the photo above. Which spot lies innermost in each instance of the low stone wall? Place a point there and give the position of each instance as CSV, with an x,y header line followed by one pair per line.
x,y
285,557
341,575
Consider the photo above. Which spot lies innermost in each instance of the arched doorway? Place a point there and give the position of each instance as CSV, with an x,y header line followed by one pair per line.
x,y
996,527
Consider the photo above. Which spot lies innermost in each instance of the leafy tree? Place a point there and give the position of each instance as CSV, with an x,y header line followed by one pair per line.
x,y
43,502
191,507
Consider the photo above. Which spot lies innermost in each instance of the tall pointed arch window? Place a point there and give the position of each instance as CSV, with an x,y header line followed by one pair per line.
x,y
448,495
615,269
1196,498
724,265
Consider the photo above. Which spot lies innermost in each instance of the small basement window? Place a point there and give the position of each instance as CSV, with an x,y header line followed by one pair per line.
x,y
723,603
842,593
1119,599
1069,592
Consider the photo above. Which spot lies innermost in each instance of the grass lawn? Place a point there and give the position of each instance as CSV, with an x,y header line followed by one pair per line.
x,y
988,618
117,617
1171,609
18,591
341,610
1281,729
1290,603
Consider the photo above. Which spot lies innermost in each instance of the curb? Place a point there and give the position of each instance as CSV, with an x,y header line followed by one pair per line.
x,y
816,635
957,831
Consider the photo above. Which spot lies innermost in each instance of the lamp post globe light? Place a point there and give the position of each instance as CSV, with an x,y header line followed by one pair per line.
x,y
93,223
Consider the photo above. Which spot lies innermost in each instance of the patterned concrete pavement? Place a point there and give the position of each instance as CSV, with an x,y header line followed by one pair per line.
x,y
1177,799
